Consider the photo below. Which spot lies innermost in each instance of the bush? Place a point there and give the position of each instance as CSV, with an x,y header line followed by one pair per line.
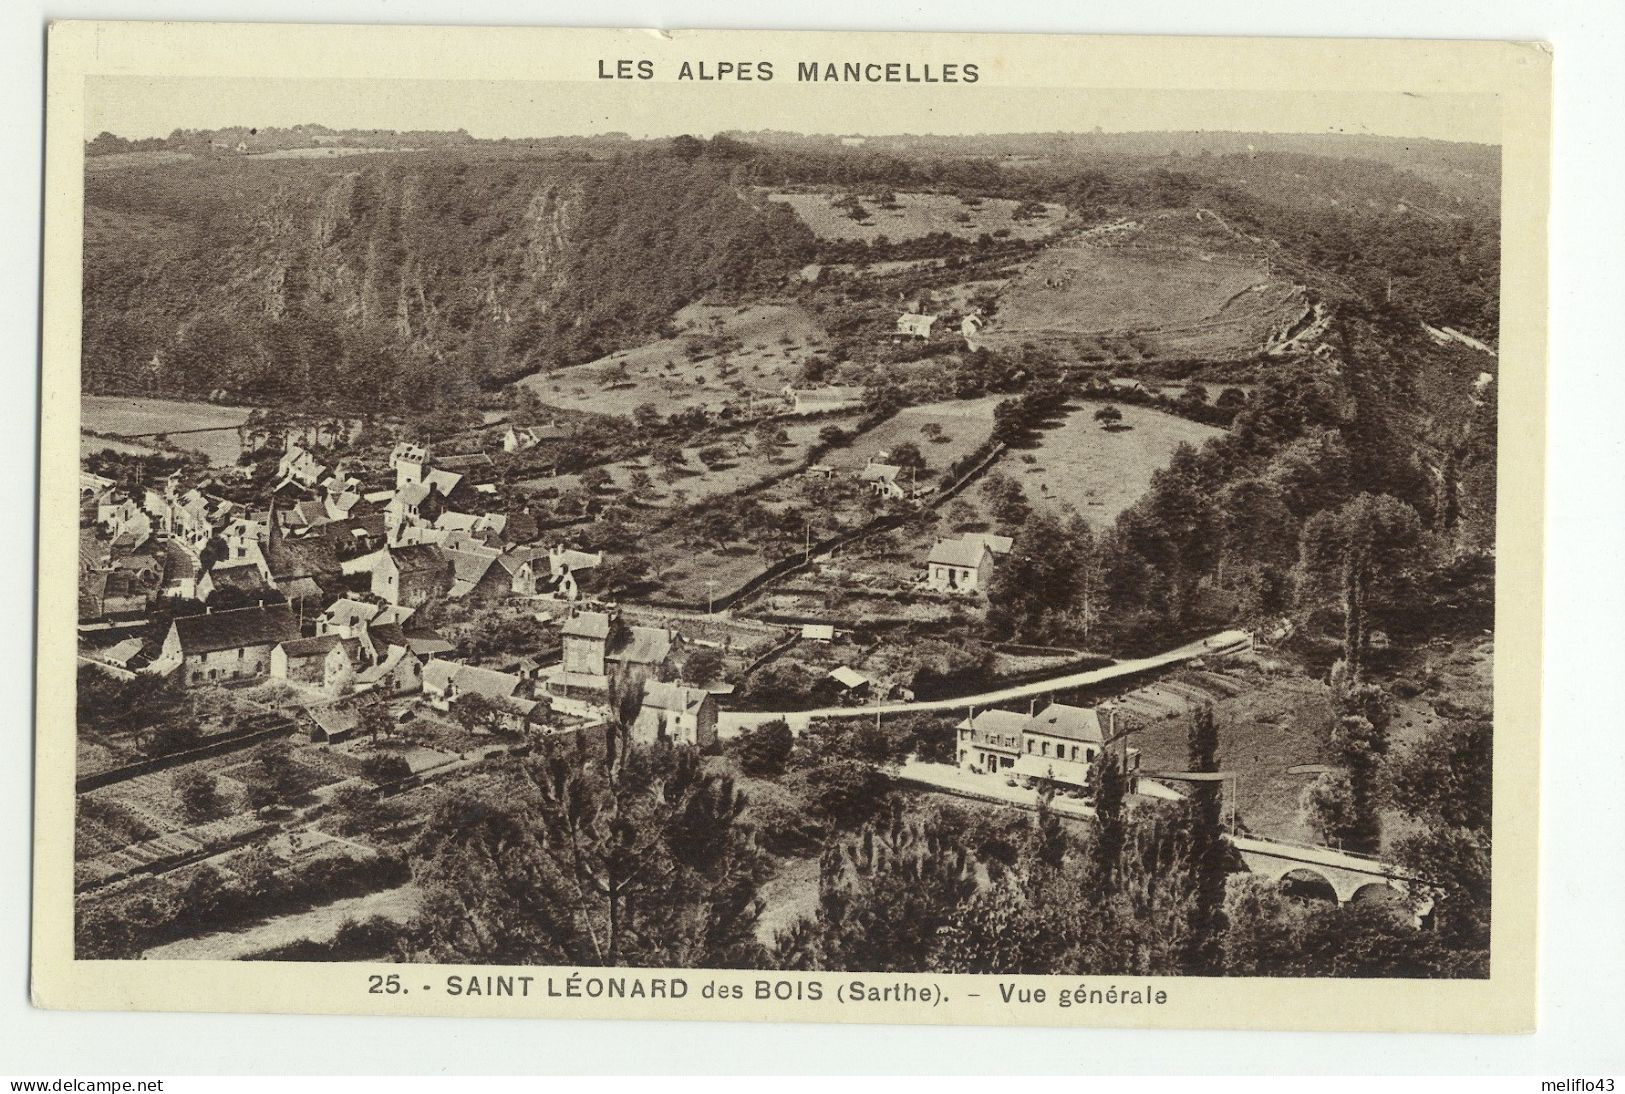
x,y
199,796
764,750
843,793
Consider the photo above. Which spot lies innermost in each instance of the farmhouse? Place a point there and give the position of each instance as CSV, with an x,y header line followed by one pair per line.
x,y
959,566
881,478
672,712
914,325
232,645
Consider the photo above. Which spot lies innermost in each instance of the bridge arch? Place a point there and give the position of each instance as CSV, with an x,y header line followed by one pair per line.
x,y
1307,884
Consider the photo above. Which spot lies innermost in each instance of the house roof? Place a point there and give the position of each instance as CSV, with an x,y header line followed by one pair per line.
x,y
437,674
335,718
442,480
821,632
122,652
1072,723
468,569
422,643
996,721
345,612
999,545
489,683
645,646
847,677
413,493
263,625
673,697
587,625
958,552
884,472
244,576
419,558
319,646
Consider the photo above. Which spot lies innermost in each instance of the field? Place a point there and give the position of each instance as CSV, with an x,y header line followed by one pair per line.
x,y
917,215
1101,472
719,355
964,426
747,463
1165,291
125,416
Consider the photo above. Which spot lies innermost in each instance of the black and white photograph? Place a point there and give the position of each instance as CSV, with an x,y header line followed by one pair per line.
x,y
530,527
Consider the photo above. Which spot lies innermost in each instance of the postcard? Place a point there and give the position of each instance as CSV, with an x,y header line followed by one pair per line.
x,y
793,526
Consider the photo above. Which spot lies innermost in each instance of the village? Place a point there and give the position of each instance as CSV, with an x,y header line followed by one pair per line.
x,y
975,518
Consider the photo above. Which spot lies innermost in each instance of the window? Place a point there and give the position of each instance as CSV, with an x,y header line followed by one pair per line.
x,y
1044,751
241,652
1029,744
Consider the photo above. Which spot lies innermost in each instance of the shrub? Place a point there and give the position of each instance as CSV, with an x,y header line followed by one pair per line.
x,y
764,749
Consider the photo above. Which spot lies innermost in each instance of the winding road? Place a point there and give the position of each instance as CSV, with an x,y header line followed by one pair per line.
x,y
731,722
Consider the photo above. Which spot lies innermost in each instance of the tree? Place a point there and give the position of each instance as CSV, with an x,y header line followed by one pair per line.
x,y
478,713
580,863
1109,832
1365,549
1108,416
646,417
907,456
198,794
702,667
1209,853
596,479
764,749
885,898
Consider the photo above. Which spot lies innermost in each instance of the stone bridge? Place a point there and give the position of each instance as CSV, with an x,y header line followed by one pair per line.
x,y
1350,876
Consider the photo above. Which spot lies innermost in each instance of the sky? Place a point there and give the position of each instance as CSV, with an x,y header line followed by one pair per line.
x,y
137,107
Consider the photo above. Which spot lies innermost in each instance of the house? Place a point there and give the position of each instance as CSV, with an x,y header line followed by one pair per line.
x,y
598,645
990,740
969,326
849,681
999,545
122,654
475,576
819,471
915,325
330,723
346,618
959,566
399,669
301,565
411,575
1056,746
1060,743
246,578
519,440
675,713
817,632
445,682
585,637
409,462
325,661
230,645
881,478
298,467
817,400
